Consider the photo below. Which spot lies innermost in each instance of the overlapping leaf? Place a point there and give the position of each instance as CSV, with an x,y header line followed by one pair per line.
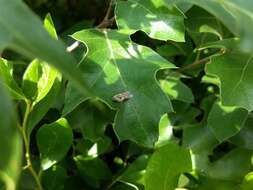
x,y
236,15
24,33
116,66
10,142
154,17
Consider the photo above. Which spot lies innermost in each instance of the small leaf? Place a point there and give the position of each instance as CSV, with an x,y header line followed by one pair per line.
x,y
225,121
155,18
10,142
248,182
54,141
177,90
8,80
38,80
165,166
165,131
135,173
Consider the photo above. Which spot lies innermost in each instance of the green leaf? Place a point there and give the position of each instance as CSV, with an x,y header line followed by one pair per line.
x,y
41,84
177,90
244,138
24,33
136,171
226,121
41,108
199,138
165,131
236,92
233,166
39,77
211,184
118,66
154,17
91,118
165,166
248,182
54,141
234,14
10,142
38,80
54,178
8,80
92,170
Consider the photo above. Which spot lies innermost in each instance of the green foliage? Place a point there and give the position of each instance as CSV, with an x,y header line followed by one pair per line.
x,y
137,95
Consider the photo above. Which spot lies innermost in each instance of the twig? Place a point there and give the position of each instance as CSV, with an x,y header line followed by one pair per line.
x,y
27,146
199,62
106,21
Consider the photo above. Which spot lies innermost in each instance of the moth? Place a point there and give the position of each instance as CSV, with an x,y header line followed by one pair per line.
x,y
121,97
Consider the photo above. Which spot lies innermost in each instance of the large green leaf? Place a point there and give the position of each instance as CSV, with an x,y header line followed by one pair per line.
x,y
226,121
10,142
236,92
24,33
154,17
165,167
115,65
54,141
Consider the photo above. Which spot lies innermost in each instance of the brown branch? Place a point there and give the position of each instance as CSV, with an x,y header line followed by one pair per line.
x,y
106,21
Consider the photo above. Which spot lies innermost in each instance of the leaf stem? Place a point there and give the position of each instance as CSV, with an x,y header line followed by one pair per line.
x,y
27,145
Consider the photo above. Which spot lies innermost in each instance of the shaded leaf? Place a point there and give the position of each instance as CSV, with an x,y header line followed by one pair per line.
x,y
54,178
233,166
54,141
226,121
244,138
136,171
